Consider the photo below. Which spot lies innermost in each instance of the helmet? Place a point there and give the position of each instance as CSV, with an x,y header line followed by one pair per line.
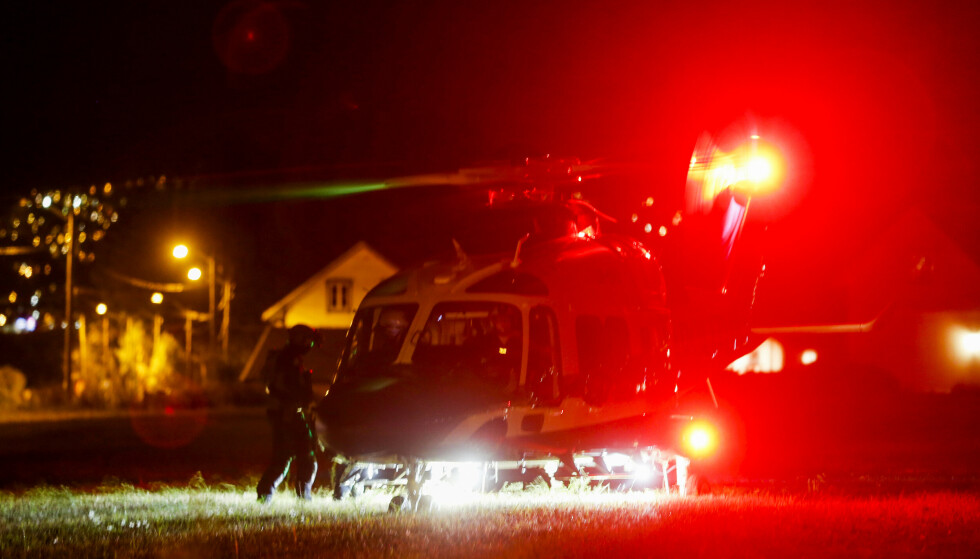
x,y
302,336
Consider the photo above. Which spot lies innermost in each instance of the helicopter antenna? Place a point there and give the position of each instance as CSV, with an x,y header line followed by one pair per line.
x,y
464,259
517,254
711,389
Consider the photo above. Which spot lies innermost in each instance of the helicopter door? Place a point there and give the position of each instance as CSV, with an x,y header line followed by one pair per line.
x,y
603,356
543,381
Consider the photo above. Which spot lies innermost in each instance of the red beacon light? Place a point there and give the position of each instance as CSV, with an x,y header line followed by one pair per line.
x,y
754,167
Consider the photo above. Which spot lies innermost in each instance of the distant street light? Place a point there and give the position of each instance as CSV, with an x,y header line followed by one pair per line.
x,y
101,309
156,298
194,274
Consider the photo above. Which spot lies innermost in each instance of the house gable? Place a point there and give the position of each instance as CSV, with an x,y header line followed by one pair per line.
x,y
328,299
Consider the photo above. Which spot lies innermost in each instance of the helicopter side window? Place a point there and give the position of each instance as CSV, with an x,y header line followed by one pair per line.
x,y
544,357
619,357
475,338
375,337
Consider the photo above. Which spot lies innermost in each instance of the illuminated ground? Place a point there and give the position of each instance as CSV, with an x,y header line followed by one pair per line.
x,y
116,485
224,521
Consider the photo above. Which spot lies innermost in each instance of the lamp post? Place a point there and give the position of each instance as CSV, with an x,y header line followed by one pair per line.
x,y
181,251
101,310
70,245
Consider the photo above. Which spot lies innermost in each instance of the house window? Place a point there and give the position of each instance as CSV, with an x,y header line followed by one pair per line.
x,y
339,292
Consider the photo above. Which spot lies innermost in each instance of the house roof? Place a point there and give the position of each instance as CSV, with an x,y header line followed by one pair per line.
x,y
879,268
319,277
915,261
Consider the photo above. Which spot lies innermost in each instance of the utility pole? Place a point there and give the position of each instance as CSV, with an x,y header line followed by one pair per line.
x,y
225,320
212,281
69,324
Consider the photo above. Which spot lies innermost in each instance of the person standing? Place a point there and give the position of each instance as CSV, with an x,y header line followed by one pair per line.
x,y
290,389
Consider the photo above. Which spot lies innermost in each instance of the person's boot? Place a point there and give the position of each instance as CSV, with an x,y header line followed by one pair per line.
x,y
304,490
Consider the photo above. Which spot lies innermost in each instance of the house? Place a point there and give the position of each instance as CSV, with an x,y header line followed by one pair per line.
x,y
326,301
912,313
930,285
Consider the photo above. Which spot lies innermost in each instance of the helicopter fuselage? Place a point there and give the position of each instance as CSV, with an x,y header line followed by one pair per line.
x,y
561,347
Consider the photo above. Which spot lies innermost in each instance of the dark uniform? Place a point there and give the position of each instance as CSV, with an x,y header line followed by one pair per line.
x,y
290,390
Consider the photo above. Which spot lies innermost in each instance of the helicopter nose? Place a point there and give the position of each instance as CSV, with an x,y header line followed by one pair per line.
x,y
365,418
400,419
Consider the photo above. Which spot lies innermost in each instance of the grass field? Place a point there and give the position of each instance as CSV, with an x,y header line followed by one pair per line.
x,y
201,520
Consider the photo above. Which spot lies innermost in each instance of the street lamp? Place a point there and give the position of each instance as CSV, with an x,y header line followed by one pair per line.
x,y
181,251
101,310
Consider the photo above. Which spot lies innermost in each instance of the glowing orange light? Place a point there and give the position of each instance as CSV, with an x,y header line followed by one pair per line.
x,y
969,344
700,439
101,309
662,231
194,274
180,251
156,298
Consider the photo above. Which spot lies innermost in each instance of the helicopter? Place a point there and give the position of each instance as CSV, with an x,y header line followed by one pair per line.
x,y
553,346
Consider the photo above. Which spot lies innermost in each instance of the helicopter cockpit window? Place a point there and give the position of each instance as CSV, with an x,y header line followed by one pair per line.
x,y
482,339
395,285
544,378
376,336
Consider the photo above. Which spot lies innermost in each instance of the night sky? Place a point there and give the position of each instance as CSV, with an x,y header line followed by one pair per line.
x,y
877,99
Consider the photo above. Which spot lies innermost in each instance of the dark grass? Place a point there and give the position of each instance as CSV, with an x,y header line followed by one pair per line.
x,y
224,521
895,477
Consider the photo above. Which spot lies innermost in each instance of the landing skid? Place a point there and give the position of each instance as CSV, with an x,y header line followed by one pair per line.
x,y
422,484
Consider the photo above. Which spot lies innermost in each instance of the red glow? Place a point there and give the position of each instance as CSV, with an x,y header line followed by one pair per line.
x,y
169,410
